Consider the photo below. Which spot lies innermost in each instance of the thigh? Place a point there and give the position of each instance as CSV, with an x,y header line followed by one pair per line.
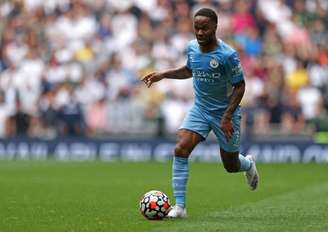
x,y
233,144
186,142
196,122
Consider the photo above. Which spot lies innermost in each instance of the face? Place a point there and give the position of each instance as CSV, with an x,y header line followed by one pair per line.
x,y
204,29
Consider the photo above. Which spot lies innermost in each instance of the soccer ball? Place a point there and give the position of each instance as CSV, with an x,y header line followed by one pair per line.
x,y
154,205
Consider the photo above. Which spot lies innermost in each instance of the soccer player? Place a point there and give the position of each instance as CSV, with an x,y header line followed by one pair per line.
x,y
219,86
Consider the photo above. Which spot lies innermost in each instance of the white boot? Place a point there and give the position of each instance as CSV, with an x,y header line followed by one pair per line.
x,y
177,212
252,174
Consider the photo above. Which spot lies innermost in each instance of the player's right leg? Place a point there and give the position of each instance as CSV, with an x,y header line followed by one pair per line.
x,y
186,141
194,129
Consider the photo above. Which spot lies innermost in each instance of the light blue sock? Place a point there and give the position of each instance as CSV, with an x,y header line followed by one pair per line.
x,y
245,164
179,179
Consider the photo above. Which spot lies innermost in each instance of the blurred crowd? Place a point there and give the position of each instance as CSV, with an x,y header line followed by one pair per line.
x,y
73,68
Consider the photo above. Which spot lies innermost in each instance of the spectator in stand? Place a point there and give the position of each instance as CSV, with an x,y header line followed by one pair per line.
x,y
19,123
292,119
321,117
70,115
4,114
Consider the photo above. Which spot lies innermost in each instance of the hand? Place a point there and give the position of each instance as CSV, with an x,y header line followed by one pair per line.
x,y
152,78
227,127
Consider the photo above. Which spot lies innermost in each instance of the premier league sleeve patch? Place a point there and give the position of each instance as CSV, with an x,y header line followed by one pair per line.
x,y
235,68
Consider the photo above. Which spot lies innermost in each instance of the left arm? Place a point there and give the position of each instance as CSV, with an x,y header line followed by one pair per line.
x,y
235,99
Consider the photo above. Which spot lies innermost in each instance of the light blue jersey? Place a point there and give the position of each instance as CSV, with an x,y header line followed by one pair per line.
x,y
214,74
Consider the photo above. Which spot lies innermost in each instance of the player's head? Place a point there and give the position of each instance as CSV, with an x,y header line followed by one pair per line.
x,y
205,24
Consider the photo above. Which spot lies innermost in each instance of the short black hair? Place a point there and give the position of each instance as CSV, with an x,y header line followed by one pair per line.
x,y
207,12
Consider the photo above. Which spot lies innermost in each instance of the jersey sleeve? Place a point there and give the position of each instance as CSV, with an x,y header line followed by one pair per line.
x,y
234,69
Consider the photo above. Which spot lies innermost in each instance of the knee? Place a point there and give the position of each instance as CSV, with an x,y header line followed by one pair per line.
x,y
181,150
231,168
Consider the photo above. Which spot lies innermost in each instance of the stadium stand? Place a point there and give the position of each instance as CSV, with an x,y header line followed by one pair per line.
x,y
73,67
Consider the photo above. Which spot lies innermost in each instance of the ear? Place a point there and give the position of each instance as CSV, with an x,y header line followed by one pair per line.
x,y
215,26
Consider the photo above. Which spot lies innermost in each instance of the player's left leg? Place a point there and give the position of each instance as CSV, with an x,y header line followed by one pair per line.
x,y
235,162
229,149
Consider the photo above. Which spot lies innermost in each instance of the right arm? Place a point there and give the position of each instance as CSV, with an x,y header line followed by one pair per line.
x,y
179,73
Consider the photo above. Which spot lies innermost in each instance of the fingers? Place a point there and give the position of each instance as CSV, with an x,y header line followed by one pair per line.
x,y
147,76
149,82
227,127
148,79
229,133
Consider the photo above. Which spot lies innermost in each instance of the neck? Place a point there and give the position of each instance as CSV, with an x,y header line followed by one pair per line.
x,y
209,47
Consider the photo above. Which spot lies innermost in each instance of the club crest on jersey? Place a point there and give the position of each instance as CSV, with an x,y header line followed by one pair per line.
x,y
214,63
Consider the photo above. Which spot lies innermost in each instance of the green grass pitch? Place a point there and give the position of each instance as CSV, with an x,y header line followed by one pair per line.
x,y
100,196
